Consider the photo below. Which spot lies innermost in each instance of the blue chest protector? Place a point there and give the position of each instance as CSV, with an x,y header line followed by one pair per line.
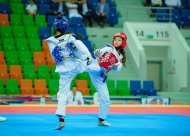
x,y
56,53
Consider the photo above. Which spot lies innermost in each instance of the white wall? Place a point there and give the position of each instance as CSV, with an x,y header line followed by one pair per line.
x,y
178,56
136,50
159,54
160,41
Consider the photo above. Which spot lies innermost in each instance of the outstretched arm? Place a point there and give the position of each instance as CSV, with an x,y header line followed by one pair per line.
x,y
99,52
82,51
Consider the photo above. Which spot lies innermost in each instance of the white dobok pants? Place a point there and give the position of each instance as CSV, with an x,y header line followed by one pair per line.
x,y
64,88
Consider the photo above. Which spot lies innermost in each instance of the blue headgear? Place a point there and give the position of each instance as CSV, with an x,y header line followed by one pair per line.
x,y
61,22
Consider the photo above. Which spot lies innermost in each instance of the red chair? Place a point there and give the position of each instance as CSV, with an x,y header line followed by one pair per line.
x,y
3,73
2,58
16,73
39,59
40,87
26,87
4,20
82,86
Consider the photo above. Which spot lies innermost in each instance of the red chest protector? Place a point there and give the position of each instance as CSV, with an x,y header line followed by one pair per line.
x,y
107,59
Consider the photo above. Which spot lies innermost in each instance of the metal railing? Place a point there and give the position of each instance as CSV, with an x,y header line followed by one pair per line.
x,y
149,13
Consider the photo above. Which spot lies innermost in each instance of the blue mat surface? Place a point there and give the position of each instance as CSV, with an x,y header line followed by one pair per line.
x,y
86,125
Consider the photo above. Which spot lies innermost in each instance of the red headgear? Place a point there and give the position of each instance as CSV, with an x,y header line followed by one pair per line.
x,y
124,38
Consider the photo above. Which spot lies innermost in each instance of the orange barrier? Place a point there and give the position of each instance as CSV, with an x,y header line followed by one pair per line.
x,y
137,109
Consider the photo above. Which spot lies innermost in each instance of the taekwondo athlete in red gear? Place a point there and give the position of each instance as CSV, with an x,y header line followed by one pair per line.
x,y
112,57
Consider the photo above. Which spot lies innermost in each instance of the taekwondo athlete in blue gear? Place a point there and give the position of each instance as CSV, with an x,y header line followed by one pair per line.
x,y
67,65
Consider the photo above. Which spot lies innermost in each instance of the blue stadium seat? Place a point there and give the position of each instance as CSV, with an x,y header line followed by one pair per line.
x,y
25,1
93,7
148,87
5,9
82,31
162,15
92,1
186,17
44,32
188,3
176,17
135,86
185,13
88,44
42,1
109,2
186,22
112,16
76,22
92,53
183,3
43,8
50,20
70,29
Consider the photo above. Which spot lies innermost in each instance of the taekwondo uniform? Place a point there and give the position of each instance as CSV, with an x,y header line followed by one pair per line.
x,y
69,67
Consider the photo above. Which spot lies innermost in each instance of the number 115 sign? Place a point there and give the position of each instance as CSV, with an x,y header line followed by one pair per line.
x,y
153,34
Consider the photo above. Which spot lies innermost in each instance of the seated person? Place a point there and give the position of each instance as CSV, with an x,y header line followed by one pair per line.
x,y
85,10
96,99
156,3
147,2
173,3
31,8
102,10
75,97
58,7
73,9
